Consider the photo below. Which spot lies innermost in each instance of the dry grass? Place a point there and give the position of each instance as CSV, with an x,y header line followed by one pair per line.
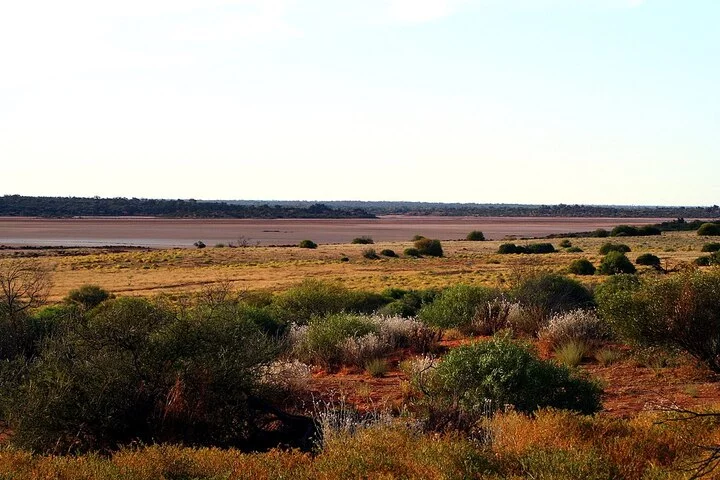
x,y
149,272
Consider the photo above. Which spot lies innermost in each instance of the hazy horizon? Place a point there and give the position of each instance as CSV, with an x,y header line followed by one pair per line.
x,y
541,102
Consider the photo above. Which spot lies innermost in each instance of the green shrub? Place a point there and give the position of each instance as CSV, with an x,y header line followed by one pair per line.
x,y
307,244
582,266
709,229
613,247
431,248
550,293
88,296
507,373
711,247
407,303
681,311
566,243
648,230
574,250
475,236
631,231
707,260
648,259
457,306
324,340
614,263
600,233
199,244
509,248
539,248
364,240
370,254
411,252
359,301
136,372
312,298
388,253
533,248
415,238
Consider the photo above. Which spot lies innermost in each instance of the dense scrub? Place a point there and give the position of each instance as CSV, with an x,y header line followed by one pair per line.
x,y
680,311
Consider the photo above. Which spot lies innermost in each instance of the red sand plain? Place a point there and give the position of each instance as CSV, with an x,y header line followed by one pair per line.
x,y
163,232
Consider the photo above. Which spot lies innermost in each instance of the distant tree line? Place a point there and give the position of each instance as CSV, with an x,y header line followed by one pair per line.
x,y
17,205
507,210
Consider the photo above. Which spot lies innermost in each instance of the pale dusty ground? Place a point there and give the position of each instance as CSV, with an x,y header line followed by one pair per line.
x,y
164,233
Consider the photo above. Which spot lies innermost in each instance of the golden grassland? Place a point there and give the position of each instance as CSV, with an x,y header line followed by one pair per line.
x,y
150,272
550,445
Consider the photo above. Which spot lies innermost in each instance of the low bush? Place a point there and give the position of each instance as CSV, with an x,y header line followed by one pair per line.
x,y
630,231
707,260
574,250
578,325
431,248
388,253
540,248
681,311
614,263
565,243
613,247
648,259
532,248
199,244
709,229
317,298
324,341
364,240
407,303
550,293
600,233
307,244
370,254
312,298
88,296
503,372
411,252
711,247
457,306
475,236
134,371
510,248
582,266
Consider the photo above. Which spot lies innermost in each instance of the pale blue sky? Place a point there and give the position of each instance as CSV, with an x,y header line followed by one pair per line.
x,y
514,101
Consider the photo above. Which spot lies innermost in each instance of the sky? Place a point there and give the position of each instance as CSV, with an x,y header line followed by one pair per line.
x,y
488,101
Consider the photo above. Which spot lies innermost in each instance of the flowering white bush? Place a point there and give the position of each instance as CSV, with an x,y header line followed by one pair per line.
x,y
576,325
